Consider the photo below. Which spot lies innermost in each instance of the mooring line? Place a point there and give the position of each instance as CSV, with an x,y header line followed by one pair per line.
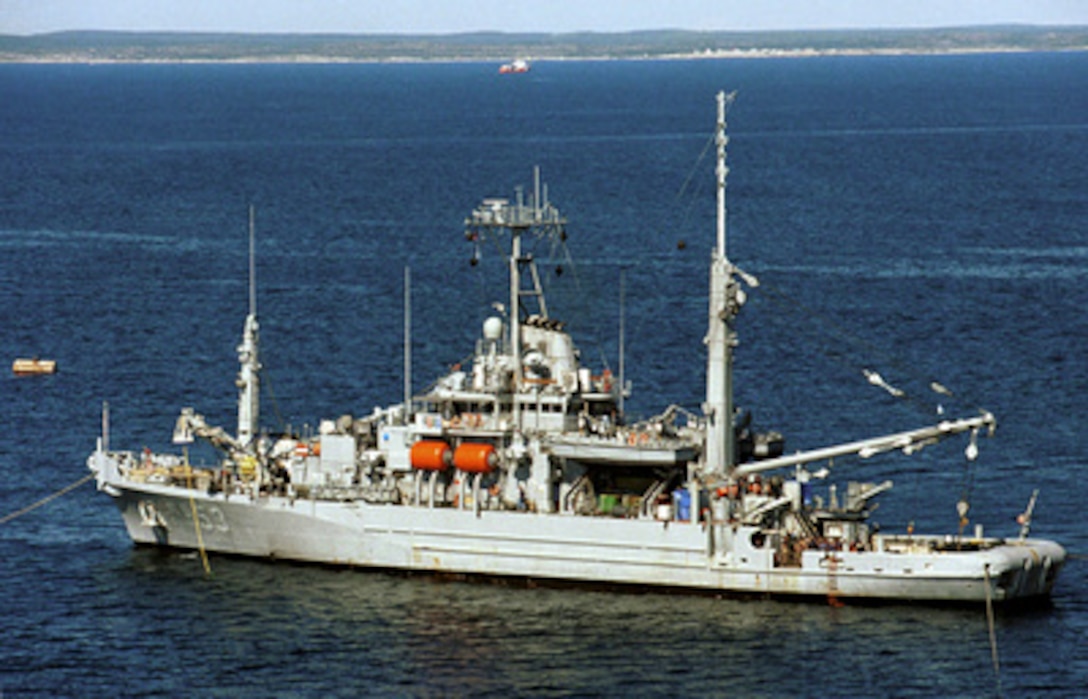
x,y
196,518
993,634
200,538
46,500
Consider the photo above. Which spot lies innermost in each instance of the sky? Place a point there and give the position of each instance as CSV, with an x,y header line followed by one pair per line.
x,y
453,16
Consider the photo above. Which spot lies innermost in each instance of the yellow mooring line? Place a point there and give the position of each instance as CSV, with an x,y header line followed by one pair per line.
x,y
196,519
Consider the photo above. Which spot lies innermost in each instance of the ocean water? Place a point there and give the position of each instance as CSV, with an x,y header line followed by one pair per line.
x,y
919,216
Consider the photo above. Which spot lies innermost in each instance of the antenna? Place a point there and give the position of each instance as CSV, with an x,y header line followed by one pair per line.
x,y
623,319
722,170
252,262
105,425
249,380
1024,519
407,341
536,192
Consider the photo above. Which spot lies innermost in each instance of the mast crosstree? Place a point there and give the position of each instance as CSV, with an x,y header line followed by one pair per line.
x,y
538,218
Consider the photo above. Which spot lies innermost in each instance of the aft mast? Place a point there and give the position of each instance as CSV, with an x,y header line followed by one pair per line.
x,y
249,381
726,298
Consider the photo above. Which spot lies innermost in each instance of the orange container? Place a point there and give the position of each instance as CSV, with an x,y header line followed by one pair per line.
x,y
430,455
471,457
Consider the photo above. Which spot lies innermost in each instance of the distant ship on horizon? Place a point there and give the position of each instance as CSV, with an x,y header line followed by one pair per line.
x,y
519,65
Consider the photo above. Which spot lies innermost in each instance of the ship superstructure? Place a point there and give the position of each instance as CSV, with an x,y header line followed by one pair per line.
x,y
521,464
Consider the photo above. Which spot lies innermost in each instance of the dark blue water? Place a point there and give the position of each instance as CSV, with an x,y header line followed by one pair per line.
x,y
921,216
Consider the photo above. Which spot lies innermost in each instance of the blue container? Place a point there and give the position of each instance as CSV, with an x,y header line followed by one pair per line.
x,y
681,498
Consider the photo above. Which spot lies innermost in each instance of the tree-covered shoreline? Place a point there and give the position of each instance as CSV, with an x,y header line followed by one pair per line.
x,y
109,46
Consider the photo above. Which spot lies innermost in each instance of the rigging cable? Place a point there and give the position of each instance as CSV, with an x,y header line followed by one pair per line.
x,y
561,251
692,198
710,141
968,486
272,397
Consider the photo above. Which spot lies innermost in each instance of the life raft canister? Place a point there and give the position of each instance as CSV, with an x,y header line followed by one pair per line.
x,y
430,455
472,457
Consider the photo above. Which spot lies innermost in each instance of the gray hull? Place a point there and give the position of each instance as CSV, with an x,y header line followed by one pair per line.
x,y
703,557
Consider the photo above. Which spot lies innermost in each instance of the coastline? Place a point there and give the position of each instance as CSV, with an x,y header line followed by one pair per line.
x,y
738,54
94,47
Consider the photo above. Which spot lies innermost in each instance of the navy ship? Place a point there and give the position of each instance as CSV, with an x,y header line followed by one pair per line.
x,y
522,465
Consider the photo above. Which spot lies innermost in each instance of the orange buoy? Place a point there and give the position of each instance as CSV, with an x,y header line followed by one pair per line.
x,y
475,458
430,455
